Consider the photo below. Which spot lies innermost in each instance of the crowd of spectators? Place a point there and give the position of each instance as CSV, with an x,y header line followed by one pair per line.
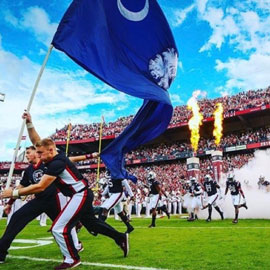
x,y
174,149
231,104
14,179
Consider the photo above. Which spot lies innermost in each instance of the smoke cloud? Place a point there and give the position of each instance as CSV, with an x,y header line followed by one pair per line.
x,y
258,200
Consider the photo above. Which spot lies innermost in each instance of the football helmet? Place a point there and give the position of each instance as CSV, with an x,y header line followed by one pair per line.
x,y
193,180
151,176
207,178
230,177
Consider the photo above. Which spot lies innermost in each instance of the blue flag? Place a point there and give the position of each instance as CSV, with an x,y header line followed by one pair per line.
x,y
129,45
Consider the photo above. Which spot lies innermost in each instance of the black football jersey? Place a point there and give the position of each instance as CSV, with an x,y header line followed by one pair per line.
x,y
210,188
233,187
195,188
115,186
32,175
153,187
68,178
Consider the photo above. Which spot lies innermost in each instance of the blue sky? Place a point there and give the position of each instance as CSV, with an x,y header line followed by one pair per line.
x,y
224,48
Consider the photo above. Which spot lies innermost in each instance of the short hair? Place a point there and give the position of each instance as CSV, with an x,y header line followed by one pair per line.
x,y
31,147
47,142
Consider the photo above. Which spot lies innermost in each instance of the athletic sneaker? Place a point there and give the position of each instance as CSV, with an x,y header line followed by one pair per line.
x,y
222,216
151,226
129,229
65,265
208,220
2,258
235,221
94,233
123,244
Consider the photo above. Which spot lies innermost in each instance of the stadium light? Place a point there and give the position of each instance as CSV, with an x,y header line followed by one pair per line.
x,y
2,97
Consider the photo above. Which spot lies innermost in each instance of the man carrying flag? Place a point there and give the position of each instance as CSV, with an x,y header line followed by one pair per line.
x,y
128,45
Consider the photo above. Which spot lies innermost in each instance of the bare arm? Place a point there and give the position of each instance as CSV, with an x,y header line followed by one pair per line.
x,y
33,135
241,191
45,181
84,157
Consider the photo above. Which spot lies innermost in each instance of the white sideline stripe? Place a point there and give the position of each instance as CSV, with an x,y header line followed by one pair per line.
x,y
88,263
231,227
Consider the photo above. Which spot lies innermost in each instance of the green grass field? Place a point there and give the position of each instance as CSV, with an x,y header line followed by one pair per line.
x,y
173,244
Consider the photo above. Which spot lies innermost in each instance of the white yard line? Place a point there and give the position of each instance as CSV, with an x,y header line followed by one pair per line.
x,y
88,263
187,227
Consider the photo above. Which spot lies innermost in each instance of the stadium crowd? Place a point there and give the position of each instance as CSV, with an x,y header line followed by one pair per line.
x,y
172,150
231,104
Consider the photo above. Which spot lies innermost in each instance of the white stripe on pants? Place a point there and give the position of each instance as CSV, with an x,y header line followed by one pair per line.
x,y
61,223
63,201
114,202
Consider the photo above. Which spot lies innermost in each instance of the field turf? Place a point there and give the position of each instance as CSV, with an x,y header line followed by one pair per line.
x,y
173,244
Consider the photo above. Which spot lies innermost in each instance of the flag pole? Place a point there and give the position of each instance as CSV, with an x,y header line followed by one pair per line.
x,y
28,109
99,149
68,137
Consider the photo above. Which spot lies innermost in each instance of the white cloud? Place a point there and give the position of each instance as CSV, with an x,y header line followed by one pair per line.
x,y
223,26
251,73
246,24
10,18
201,5
199,94
245,27
181,15
60,96
35,20
176,100
180,65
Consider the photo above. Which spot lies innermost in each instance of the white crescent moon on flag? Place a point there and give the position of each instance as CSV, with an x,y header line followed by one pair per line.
x,y
133,16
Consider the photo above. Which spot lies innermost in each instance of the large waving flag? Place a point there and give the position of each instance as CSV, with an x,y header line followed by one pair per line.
x,y
127,44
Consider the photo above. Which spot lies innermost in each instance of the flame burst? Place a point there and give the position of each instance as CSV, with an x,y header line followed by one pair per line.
x,y
218,128
194,122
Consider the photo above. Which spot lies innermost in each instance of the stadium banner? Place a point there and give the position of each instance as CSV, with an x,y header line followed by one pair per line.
x,y
17,166
258,145
217,164
240,147
92,166
263,144
230,149
128,45
193,168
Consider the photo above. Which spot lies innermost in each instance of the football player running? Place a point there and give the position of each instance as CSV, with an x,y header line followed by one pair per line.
x,y
115,191
195,191
236,193
155,195
214,193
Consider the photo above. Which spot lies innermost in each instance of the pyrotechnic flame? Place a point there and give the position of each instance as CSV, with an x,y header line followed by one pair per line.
x,y
194,122
218,128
